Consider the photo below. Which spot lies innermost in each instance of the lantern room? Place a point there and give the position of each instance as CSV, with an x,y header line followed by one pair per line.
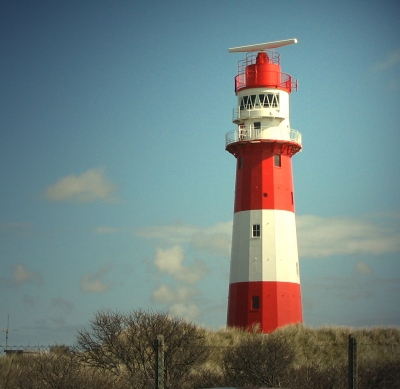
x,y
263,70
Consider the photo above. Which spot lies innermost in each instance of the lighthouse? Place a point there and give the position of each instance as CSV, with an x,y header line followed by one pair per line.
x,y
264,283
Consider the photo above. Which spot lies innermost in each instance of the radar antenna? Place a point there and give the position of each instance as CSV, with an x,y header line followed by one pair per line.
x,y
262,46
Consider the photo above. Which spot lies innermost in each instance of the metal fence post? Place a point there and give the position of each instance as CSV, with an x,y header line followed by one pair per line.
x,y
353,368
160,362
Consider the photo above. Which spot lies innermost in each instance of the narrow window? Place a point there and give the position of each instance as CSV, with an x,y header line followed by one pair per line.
x,y
240,162
275,101
292,197
241,103
277,160
245,102
268,100
261,100
256,231
264,101
271,100
255,302
253,101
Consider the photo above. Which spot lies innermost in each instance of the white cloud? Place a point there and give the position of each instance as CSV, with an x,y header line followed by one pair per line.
x,y
180,296
93,283
170,261
90,186
22,275
322,237
215,239
392,60
180,300
165,294
317,237
186,311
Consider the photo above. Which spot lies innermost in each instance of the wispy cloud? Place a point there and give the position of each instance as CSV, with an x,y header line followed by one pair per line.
x,y
188,311
363,269
166,294
180,295
392,60
215,239
171,262
94,283
21,276
64,305
103,230
16,228
28,301
93,185
179,299
321,237
318,236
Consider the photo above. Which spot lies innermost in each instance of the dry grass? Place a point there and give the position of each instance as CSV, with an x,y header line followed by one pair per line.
x,y
320,360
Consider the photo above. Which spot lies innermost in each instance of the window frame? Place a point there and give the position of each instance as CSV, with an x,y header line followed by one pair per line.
x,y
256,231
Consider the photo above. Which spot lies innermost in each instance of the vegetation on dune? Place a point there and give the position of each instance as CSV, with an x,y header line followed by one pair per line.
x,y
117,351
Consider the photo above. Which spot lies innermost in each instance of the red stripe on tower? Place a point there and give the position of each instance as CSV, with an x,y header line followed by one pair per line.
x,y
264,286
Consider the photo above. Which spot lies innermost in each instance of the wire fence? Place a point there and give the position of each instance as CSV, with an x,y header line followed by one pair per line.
x,y
336,364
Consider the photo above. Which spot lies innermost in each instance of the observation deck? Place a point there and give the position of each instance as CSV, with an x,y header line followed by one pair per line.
x,y
244,134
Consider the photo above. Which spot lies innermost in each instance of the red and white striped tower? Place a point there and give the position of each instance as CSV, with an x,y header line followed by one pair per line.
x,y
264,285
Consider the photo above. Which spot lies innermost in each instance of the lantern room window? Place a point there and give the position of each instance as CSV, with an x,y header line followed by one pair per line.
x,y
264,100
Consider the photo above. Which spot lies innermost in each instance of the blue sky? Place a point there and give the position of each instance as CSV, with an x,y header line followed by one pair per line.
x,y
117,193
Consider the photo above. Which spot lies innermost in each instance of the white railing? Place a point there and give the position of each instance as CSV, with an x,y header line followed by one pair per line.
x,y
242,134
255,113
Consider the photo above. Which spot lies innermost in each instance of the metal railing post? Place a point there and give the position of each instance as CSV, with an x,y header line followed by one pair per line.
x,y
353,373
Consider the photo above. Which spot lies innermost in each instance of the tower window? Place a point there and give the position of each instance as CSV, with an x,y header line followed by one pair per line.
x,y
277,160
255,302
256,231
265,100
240,162
257,125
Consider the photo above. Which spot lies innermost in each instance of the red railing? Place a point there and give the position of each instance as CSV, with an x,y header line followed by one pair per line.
x,y
265,76
285,82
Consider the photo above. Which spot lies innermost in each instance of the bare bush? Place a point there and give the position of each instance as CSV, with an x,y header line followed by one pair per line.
x,y
259,360
379,375
117,352
315,376
124,345
54,371
6,372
